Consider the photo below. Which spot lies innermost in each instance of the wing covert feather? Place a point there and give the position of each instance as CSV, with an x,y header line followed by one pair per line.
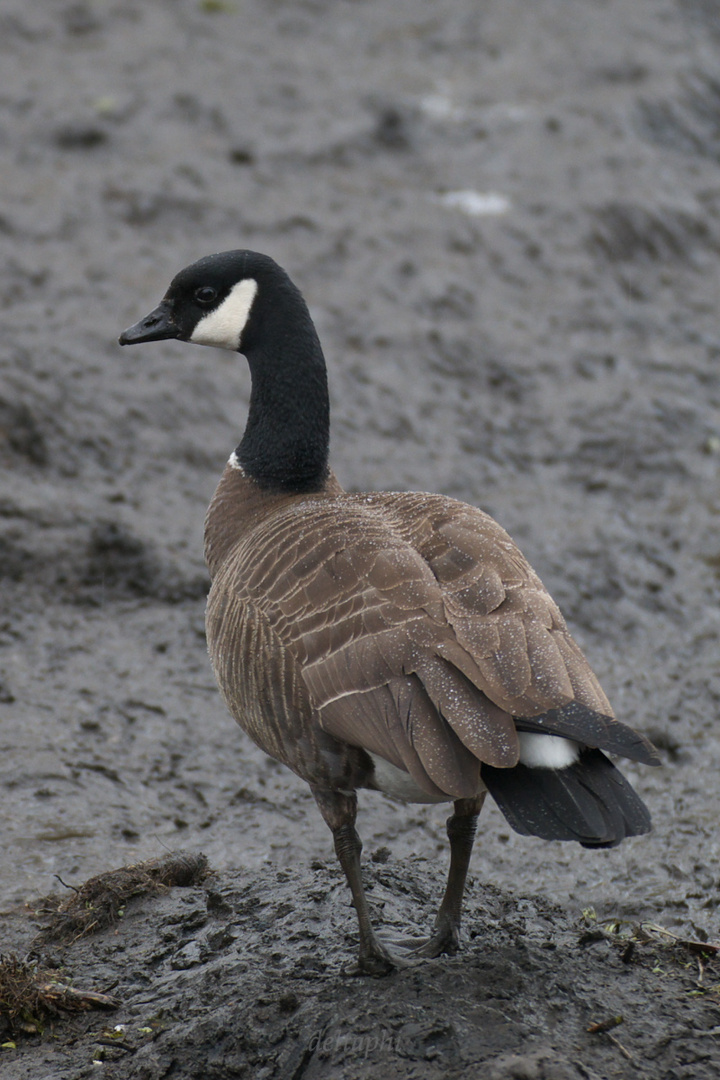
x,y
497,606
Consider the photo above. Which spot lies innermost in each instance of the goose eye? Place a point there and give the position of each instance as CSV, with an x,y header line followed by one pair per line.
x,y
206,294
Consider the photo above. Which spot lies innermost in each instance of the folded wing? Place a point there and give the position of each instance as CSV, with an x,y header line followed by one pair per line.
x,y
422,635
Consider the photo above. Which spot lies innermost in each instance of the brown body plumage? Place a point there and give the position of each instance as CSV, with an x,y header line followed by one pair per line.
x,y
406,624
398,641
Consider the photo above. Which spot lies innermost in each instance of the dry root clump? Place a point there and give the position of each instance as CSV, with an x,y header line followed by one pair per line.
x,y
30,993
100,902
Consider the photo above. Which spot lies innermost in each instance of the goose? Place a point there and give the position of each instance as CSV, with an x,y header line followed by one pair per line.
x,y
391,641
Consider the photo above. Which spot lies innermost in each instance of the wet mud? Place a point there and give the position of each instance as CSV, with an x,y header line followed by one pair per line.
x,y
506,221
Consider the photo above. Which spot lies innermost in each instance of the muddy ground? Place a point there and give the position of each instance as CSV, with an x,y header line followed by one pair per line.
x,y
549,351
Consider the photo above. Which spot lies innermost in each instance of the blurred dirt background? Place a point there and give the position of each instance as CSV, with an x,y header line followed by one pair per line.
x,y
506,220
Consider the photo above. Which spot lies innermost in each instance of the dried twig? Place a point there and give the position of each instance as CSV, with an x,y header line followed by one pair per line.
x,y
604,1028
621,1048
116,1044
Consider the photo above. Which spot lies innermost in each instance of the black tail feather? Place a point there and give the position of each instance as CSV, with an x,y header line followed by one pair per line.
x,y
589,801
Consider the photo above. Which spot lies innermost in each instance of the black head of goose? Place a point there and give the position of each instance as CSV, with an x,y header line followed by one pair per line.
x,y
393,641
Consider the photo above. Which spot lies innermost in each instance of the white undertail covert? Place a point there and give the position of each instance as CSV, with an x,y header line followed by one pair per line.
x,y
539,751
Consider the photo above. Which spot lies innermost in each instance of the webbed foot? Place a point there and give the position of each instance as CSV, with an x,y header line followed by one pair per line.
x,y
377,962
443,942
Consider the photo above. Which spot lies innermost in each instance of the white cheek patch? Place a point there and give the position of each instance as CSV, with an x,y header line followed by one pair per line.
x,y
223,326
546,751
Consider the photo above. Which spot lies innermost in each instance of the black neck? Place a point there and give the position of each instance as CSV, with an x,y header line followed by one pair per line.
x,y
286,440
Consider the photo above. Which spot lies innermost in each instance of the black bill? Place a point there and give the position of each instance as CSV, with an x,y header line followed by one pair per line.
x,y
157,326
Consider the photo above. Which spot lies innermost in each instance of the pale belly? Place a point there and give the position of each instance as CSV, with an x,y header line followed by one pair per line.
x,y
400,785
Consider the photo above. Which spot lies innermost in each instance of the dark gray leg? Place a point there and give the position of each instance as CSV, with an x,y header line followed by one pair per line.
x,y
461,833
340,811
